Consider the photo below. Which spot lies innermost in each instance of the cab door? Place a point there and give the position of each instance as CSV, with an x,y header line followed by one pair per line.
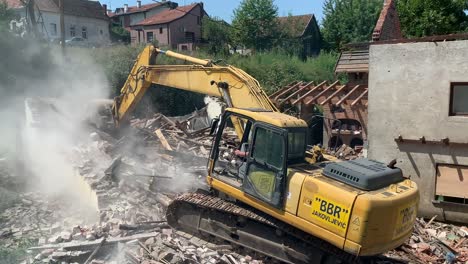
x,y
266,165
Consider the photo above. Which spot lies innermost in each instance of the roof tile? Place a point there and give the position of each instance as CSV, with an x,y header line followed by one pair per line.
x,y
296,24
167,16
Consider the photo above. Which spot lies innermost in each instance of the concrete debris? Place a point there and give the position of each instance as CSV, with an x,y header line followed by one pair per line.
x,y
434,242
130,182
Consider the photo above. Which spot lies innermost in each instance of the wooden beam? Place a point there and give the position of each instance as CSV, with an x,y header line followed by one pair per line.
x,y
309,92
348,95
285,91
163,139
322,93
296,92
273,95
334,94
359,98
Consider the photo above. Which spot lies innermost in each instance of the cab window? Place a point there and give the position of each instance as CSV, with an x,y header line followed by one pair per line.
x,y
268,148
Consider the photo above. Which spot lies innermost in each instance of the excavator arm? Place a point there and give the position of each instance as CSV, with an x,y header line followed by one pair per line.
x,y
237,88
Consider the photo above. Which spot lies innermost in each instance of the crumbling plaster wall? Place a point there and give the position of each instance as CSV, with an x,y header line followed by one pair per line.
x,y
409,95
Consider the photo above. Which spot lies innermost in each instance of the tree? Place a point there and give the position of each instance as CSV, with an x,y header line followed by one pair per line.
x,y
432,17
6,15
217,34
347,21
255,24
119,34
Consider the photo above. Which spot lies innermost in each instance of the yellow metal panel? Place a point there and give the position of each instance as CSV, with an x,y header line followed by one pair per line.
x,y
273,118
383,219
286,217
326,205
293,193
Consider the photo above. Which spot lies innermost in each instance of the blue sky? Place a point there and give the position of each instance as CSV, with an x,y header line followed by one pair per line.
x,y
224,8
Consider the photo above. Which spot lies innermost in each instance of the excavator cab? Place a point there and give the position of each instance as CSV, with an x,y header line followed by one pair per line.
x,y
261,156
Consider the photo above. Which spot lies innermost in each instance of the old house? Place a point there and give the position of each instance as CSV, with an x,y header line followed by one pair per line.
x,y
127,16
179,28
345,106
418,115
85,19
305,29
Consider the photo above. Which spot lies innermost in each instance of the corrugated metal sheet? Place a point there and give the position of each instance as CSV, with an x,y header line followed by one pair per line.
x,y
353,61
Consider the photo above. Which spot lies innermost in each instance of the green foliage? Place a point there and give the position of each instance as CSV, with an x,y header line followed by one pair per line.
x,y
117,63
274,70
432,17
347,21
6,15
119,34
217,33
255,24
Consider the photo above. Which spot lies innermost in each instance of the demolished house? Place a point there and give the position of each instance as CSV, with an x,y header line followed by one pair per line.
x,y
344,105
418,94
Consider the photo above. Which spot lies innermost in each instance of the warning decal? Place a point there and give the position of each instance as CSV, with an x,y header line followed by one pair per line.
x,y
330,212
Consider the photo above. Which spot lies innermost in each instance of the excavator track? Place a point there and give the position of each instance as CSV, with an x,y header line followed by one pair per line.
x,y
207,215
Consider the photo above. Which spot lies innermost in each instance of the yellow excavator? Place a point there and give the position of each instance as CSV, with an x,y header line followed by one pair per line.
x,y
280,200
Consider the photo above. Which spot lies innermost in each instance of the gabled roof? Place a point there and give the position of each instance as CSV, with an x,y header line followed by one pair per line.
x,y
136,9
296,25
168,16
81,8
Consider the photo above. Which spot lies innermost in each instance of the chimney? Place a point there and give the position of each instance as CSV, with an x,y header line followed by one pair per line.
x,y
139,3
104,6
125,8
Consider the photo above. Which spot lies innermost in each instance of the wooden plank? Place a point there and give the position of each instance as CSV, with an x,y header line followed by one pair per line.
x,y
322,93
163,139
363,70
348,95
334,94
296,92
353,66
287,91
71,246
452,180
348,62
359,98
280,90
309,92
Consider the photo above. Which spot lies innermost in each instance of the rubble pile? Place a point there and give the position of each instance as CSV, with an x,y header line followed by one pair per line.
x,y
133,179
345,152
434,242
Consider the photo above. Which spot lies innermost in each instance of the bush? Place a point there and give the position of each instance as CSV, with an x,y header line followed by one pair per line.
x,y
273,70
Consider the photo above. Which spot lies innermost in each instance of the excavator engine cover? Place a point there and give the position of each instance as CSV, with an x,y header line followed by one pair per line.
x,y
363,174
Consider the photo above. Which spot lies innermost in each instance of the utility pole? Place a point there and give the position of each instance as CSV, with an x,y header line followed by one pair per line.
x,y
32,17
62,27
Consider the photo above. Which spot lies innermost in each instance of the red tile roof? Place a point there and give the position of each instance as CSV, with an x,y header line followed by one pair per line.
x,y
296,25
168,16
14,3
135,9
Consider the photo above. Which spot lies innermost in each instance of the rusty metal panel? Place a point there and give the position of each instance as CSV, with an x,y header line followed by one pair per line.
x,y
452,180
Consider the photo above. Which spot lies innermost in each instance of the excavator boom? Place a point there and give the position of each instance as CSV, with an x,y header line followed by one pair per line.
x,y
237,88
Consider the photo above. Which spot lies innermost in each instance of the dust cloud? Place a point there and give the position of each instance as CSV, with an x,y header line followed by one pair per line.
x,y
44,99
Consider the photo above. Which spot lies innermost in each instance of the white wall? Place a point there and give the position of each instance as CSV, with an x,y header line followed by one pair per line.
x,y
409,95
97,29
